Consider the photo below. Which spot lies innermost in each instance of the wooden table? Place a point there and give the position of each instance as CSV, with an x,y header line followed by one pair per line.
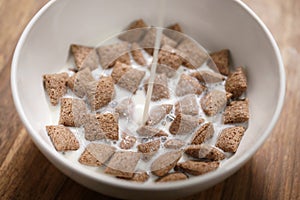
x,y
273,173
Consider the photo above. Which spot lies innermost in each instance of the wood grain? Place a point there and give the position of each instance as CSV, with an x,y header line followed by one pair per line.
x,y
273,173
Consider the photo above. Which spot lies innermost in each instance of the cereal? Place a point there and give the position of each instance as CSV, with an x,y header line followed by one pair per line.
x,y
204,151
149,131
187,105
230,138
109,125
123,164
72,112
183,124
193,57
236,83
136,31
100,93
85,57
78,82
56,86
188,85
160,87
204,133
206,76
174,144
197,168
168,57
62,138
164,163
213,102
127,77
96,154
109,54
127,142
157,113
125,107
176,176
148,149
140,177
221,59
137,54
236,112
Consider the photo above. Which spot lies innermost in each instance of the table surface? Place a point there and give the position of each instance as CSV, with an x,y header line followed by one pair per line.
x,y
273,172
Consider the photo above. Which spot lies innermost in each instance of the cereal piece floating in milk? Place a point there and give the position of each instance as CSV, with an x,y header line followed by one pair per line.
x,y
187,105
236,112
206,76
174,144
137,54
174,32
160,87
236,83
127,77
175,176
149,131
148,41
204,151
112,53
193,56
148,149
123,164
135,31
62,138
157,113
72,112
168,56
79,81
128,141
139,177
183,124
230,138
213,102
96,154
56,86
100,93
205,132
188,85
85,57
197,168
164,163
221,59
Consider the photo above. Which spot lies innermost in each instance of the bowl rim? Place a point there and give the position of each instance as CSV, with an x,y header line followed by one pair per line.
x,y
47,150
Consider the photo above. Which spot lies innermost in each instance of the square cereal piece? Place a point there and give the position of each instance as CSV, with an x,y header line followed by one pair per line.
x,y
137,54
72,112
85,57
148,149
157,113
183,124
230,138
55,86
236,112
109,125
62,138
92,128
164,163
193,56
206,76
160,88
204,151
109,54
187,105
236,83
128,141
125,107
140,177
168,56
188,85
127,77
123,164
213,102
96,154
174,144
221,59
149,131
205,132
101,92
79,81
135,31
174,32
197,168
165,69
175,176
148,42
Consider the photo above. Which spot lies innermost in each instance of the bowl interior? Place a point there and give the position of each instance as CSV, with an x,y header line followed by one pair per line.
x,y
44,46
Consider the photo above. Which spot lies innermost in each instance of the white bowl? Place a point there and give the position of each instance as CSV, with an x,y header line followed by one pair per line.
x,y
43,48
